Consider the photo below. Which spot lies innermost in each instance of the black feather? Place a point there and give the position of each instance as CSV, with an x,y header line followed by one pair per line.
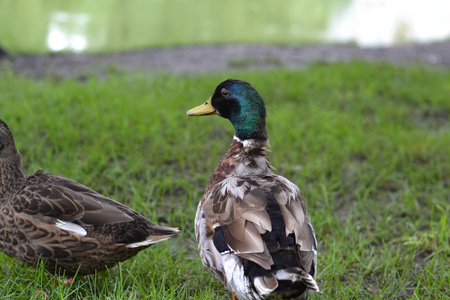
x,y
219,240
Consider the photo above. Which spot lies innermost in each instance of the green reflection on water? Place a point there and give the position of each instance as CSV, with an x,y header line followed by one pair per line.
x,y
115,25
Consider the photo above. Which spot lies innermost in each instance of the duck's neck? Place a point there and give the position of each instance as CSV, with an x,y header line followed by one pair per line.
x,y
244,158
11,174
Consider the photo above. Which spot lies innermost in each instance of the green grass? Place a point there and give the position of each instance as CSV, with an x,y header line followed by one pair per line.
x,y
367,143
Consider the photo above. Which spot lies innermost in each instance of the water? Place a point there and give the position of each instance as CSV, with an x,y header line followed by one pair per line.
x,y
117,25
372,23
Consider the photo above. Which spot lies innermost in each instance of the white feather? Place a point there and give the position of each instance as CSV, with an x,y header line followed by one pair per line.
x,y
237,282
230,186
209,255
283,275
305,277
71,227
147,242
247,143
237,139
262,288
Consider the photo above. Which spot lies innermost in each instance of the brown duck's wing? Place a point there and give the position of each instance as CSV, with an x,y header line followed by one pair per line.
x,y
125,224
57,197
259,218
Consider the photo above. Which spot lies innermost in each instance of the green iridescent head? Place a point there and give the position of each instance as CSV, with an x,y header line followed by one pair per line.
x,y
239,102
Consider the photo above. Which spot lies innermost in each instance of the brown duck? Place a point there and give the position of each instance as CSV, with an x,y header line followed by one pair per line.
x,y
253,229
72,228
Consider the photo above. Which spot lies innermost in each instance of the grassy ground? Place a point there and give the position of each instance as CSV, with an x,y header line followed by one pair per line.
x,y
366,143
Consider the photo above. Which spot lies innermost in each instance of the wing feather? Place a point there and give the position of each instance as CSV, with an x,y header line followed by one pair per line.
x,y
251,241
243,213
49,195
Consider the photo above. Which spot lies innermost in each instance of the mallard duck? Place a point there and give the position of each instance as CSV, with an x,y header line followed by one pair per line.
x,y
253,230
72,228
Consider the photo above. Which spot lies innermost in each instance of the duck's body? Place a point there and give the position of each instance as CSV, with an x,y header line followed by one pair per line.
x,y
71,227
252,226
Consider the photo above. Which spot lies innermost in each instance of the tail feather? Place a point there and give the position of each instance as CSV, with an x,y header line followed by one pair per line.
x,y
162,230
161,234
309,281
298,274
265,284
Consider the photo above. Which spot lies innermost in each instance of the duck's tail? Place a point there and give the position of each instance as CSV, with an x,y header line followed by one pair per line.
x,y
297,274
160,233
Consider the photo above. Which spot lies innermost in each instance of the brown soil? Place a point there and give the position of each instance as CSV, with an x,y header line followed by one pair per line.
x,y
217,58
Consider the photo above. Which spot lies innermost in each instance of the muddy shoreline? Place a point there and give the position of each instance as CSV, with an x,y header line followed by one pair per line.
x,y
218,58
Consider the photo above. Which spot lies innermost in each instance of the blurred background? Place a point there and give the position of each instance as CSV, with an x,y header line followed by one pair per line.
x,y
357,95
43,26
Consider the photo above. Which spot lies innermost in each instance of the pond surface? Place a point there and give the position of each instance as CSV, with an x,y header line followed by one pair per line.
x,y
118,25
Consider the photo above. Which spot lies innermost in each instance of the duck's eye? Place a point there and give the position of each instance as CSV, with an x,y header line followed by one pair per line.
x,y
225,93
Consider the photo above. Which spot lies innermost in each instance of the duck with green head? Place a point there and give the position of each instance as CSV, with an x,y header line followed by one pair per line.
x,y
253,229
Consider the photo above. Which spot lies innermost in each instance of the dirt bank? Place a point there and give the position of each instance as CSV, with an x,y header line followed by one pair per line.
x,y
217,58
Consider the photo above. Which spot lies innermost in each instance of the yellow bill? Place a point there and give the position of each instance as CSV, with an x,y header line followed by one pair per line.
x,y
205,109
